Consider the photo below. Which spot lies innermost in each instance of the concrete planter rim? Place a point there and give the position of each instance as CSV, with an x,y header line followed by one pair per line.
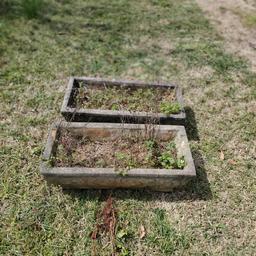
x,y
47,171
67,110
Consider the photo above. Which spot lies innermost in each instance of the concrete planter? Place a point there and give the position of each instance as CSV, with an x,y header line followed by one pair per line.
x,y
99,115
108,178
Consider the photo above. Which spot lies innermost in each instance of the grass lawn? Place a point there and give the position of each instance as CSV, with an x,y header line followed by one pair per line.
x,y
153,40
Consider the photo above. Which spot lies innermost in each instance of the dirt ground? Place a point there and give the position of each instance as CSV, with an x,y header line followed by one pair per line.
x,y
231,18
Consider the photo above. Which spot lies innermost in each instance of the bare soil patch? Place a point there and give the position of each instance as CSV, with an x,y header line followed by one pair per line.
x,y
234,20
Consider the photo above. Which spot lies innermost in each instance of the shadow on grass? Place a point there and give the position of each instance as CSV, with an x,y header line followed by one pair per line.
x,y
191,126
5,7
37,9
197,189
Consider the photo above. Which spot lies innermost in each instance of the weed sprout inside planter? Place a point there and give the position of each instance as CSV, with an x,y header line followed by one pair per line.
x,y
97,100
102,155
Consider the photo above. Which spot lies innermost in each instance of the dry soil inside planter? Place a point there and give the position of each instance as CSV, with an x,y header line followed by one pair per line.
x,y
124,152
110,155
134,99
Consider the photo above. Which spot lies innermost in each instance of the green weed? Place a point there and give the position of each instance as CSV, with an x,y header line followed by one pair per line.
x,y
150,144
169,162
170,108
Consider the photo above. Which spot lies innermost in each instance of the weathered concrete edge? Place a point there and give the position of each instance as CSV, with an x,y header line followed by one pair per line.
x,y
66,110
67,94
181,140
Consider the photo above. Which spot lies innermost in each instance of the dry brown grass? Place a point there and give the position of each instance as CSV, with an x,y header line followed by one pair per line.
x,y
236,22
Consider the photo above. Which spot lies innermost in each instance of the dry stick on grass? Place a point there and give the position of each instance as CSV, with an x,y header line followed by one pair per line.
x,y
106,224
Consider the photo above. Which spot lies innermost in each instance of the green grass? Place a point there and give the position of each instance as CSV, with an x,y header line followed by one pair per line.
x,y
250,20
143,40
164,236
31,8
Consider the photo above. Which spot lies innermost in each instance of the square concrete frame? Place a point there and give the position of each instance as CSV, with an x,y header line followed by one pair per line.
x,y
108,178
100,115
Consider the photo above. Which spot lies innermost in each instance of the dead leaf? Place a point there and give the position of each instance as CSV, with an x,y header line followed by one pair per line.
x,y
142,231
222,156
105,220
94,234
232,161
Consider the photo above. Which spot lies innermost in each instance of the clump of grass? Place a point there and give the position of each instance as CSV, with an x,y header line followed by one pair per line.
x,y
126,160
166,237
150,144
168,158
170,108
250,20
247,19
31,8
250,79
169,162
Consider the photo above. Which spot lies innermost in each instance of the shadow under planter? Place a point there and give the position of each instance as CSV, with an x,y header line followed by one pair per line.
x,y
74,113
191,125
108,178
196,189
